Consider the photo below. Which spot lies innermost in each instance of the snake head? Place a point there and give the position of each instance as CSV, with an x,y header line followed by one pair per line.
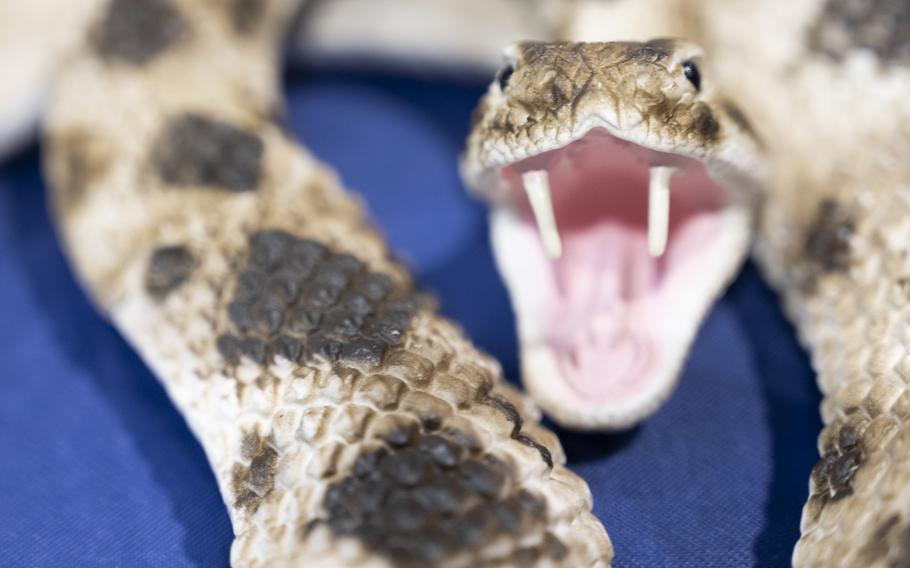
x,y
622,187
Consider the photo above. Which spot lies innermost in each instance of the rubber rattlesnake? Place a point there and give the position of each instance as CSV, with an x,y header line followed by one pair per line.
x,y
827,244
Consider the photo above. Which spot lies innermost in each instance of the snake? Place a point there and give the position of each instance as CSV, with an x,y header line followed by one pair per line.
x,y
599,125
346,422
821,104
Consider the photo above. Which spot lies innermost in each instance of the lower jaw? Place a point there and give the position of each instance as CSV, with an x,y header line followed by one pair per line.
x,y
562,403
646,352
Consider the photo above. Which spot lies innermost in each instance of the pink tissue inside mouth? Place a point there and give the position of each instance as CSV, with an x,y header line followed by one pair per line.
x,y
610,314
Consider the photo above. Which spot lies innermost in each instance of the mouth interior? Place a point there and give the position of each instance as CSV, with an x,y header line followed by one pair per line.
x,y
606,309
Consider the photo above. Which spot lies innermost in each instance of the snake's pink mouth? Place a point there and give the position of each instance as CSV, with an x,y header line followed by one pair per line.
x,y
607,323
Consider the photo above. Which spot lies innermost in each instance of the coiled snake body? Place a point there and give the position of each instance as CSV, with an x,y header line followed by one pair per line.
x,y
833,239
348,424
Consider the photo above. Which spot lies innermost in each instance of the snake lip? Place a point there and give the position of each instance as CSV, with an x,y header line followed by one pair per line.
x,y
605,328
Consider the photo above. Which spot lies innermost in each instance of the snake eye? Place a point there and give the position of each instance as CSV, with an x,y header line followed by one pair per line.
x,y
692,74
503,76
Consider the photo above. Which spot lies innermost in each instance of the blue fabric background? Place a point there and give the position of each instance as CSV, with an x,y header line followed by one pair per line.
x,y
97,467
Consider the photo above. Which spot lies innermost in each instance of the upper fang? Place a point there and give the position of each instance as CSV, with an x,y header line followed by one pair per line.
x,y
659,209
537,186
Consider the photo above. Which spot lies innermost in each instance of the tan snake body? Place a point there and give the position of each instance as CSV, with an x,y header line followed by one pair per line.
x,y
176,244
346,423
834,240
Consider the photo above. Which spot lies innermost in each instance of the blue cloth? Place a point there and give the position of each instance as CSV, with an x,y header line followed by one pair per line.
x,y
97,467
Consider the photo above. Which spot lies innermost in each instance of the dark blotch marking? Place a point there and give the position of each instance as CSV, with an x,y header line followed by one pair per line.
x,y
827,244
246,15
428,497
168,268
835,470
255,349
251,445
445,452
296,299
199,151
324,347
401,435
288,347
251,484
882,26
229,347
512,415
137,31
485,477
706,125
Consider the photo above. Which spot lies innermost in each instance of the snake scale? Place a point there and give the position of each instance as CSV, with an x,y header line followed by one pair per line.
x,y
347,424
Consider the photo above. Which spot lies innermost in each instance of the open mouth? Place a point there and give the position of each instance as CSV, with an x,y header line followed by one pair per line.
x,y
613,253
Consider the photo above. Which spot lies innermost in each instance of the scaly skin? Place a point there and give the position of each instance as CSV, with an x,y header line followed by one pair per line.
x,y
561,88
834,241
346,422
